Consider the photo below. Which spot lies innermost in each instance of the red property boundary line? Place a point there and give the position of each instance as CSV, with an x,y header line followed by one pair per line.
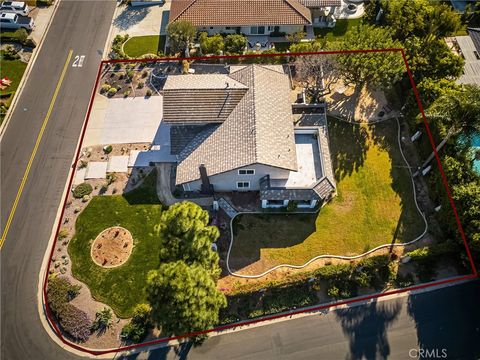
x,y
474,274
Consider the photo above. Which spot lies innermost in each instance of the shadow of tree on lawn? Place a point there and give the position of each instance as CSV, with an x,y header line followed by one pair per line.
x,y
348,147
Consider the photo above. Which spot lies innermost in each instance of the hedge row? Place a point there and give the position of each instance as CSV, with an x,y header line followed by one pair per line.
x,y
342,281
17,36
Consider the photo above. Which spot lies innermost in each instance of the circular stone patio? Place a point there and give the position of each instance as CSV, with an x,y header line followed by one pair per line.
x,y
112,247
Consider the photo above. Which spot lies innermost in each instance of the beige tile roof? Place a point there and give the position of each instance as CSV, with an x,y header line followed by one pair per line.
x,y
259,130
240,12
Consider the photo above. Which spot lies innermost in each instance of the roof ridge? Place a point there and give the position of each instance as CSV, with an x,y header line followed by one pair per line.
x,y
302,10
253,66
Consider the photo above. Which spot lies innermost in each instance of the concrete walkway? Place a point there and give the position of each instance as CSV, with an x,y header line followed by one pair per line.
x,y
164,192
227,207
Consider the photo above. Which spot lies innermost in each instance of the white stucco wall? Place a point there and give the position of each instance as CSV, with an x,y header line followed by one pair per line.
x,y
228,181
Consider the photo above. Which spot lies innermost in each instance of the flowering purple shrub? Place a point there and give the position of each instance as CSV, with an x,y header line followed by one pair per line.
x,y
75,322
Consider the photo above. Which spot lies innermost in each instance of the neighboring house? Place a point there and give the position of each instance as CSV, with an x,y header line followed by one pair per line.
x,y
468,47
254,17
235,132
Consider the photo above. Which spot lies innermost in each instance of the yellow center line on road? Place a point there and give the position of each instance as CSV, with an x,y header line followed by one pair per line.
x,y
35,149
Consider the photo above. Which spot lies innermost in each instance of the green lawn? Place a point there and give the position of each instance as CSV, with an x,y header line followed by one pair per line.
x,y
340,29
14,71
141,45
138,211
374,205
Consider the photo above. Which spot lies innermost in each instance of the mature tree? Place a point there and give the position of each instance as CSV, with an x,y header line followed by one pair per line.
x,y
431,57
184,298
377,69
211,44
467,200
457,110
409,18
180,35
186,236
235,44
318,74
431,89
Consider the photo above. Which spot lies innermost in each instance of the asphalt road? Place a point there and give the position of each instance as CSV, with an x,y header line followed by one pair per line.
x,y
442,322
83,27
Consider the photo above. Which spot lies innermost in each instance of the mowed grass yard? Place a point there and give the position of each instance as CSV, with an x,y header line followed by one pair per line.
x,y
138,211
141,45
12,69
340,29
374,205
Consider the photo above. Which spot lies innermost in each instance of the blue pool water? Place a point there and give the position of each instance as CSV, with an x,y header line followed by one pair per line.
x,y
476,145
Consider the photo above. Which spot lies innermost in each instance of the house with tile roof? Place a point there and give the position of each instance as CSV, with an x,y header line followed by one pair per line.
x,y
254,17
235,132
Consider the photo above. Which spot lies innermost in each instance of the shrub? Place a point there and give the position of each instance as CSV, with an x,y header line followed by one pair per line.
x,y
144,74
103,320
149,93
105,88
292,205
333,292
136,330
9,53
112,92
59,292
81,190
140,84
126,93
211,44
62,234
235,44
130,74
287,298
117,51
19,36
111,177
75,322
108,149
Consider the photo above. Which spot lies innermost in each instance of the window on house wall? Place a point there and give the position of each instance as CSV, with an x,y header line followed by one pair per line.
x,y
271,28
246,172
243,184
257,30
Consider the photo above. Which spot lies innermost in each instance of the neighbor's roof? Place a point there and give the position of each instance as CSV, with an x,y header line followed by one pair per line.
x,y
240,12
471,70
258,130
320,3
475,36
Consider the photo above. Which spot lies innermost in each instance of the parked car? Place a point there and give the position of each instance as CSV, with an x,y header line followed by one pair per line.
x,y
15,21
16,7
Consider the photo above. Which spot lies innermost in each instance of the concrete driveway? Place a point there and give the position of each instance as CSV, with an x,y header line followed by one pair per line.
x,y
124,121
141,20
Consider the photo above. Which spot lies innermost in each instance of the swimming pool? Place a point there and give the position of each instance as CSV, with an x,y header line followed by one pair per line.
x,y
476,146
